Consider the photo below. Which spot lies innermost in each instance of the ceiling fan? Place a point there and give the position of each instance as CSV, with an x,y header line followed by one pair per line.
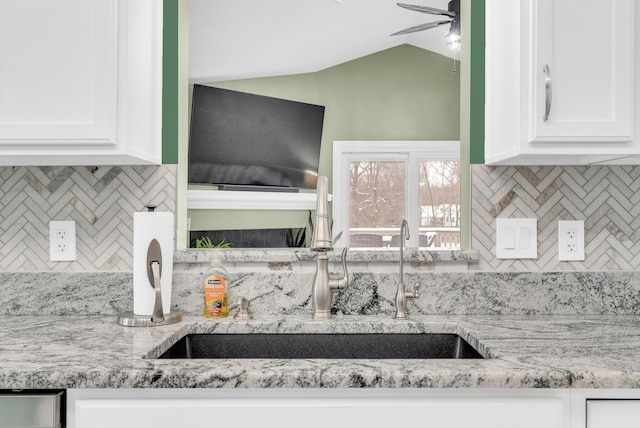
x,y
452,13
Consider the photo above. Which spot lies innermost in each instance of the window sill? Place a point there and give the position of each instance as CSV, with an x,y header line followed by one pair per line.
x,y
302,255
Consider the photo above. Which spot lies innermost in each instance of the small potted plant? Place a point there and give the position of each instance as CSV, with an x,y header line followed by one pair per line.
x,y
205,242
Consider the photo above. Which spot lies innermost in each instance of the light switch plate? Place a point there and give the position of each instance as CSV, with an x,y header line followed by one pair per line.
x,y
517,238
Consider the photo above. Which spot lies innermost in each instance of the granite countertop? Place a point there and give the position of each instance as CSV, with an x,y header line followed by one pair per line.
x,y
581,351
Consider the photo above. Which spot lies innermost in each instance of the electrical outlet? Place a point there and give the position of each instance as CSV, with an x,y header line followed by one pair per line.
x,y
571,240
62,241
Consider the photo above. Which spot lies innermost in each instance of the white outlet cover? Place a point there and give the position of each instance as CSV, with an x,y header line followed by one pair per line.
x,y
517,238
69,228
564,226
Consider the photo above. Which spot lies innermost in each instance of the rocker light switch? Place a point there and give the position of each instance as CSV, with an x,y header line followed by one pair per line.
x,y
516,238
524,240
509,238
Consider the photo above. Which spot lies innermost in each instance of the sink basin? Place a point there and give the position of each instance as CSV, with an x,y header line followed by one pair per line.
x,y
338,346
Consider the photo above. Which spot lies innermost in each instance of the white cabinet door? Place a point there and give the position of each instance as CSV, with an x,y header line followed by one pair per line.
x,y
80,82
613,413
560,82
583,51
58,75
313,410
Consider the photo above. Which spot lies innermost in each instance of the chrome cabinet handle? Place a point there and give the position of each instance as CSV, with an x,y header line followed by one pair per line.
x,y
548,92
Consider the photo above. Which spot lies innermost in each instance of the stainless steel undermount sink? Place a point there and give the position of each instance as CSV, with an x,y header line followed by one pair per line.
x,y
331,346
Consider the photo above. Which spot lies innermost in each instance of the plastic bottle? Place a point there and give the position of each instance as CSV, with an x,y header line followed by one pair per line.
x,y
215,289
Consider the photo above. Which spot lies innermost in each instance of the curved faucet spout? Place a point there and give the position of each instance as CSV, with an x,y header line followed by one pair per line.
x,y
404,229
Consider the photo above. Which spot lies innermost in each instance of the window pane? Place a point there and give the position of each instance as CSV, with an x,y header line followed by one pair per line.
x,y
439,204
376,202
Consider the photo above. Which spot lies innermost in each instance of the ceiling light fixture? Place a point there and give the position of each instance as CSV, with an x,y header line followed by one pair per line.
x,y
453,38
453,41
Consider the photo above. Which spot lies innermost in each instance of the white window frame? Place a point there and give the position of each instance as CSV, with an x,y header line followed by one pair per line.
x,y
344,152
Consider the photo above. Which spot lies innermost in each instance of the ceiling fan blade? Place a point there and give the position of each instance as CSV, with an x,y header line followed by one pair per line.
x,y
427,9
421,27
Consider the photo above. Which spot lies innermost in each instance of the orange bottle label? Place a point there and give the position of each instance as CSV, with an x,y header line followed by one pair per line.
x,y
215,288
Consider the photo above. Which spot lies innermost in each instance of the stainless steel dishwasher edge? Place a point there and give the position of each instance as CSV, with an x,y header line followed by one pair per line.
x,y
32,408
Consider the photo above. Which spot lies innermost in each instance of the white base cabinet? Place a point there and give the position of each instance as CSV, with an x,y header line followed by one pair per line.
x,y
370,408
81,82
605,408
378,408
608,413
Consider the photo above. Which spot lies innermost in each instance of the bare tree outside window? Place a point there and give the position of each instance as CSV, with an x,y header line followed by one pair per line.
x,y
439,193
376,201
377,184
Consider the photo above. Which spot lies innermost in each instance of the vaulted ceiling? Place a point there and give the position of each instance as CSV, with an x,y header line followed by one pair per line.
x,y
237,39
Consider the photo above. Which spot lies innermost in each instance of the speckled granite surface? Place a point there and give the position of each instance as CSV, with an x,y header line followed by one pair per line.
x,y
541,330
411,255
370,293
527,351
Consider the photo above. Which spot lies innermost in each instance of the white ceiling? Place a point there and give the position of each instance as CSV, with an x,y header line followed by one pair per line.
x,y
237,39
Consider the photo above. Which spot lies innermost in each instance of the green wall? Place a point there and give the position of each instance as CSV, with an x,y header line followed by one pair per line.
x,y
476,90
403,93
170,85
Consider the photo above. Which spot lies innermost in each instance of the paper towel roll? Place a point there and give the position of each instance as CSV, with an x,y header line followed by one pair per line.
x,y
148,226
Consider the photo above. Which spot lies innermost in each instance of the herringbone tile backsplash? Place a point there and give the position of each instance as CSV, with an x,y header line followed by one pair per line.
x,y
605,197
101,200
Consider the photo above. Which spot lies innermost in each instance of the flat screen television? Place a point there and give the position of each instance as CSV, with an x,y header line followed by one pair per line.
x,y
244,141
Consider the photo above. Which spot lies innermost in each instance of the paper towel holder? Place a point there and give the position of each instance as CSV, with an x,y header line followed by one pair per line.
x,y
154,273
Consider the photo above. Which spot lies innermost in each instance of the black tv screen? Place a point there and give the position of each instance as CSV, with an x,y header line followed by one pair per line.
x,y
244,139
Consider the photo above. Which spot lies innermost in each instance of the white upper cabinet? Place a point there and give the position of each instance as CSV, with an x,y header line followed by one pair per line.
x,y
560,82
80,82
582,69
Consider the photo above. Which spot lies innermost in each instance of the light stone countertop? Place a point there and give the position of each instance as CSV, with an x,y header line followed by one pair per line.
x,y
561,351
257,255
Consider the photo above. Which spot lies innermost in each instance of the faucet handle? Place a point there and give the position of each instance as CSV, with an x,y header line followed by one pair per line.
x,y
343,259
411,294
244,313
342,283
345,272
